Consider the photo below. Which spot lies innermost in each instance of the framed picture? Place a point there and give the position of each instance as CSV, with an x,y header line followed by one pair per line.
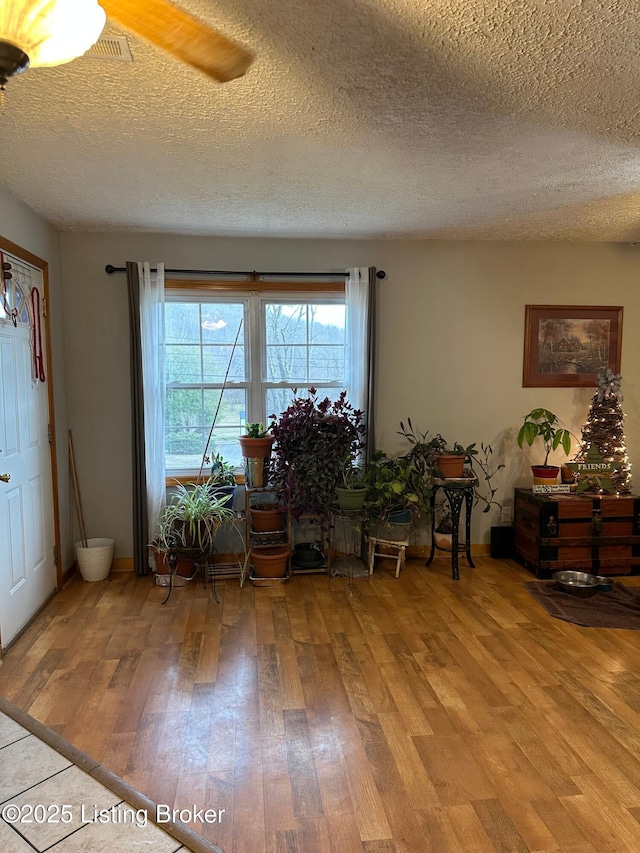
x,y
566,346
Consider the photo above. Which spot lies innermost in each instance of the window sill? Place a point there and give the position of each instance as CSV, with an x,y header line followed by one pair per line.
x,y
185,479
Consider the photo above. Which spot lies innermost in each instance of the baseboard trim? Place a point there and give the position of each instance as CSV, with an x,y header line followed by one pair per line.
x,y
418,552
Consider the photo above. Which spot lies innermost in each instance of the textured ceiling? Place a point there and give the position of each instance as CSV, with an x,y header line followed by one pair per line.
x,y
486,119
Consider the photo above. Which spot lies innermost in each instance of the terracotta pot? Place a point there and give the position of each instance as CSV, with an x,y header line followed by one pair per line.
x,y
256,453
545,475
270,561
184,568
255,448
265,519
451,465
444,541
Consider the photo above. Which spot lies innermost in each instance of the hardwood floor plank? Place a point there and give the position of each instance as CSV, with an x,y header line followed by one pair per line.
x,y
270,692
367,803
612,811
277,785
562,826
467,826
499,827
305,788
416,784
291,685
457,782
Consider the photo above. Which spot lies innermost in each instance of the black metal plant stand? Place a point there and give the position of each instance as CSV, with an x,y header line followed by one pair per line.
x,y
457,493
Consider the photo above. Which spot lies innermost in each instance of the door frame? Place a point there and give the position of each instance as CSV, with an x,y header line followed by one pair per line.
x,y
8,246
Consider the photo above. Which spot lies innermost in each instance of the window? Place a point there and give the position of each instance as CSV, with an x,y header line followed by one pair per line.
x,y
288,342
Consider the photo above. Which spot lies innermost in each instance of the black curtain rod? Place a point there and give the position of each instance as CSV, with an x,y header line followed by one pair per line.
x,y
110,270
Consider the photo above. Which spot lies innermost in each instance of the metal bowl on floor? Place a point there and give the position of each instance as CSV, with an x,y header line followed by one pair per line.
x,y
604,583
580,584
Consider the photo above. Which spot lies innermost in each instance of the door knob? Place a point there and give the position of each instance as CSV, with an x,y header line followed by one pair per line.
x,y
5,477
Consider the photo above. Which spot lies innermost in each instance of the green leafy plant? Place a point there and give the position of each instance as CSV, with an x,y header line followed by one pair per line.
x,y
394,484
190,520
222,472
425,452
543,424
257,430
352,476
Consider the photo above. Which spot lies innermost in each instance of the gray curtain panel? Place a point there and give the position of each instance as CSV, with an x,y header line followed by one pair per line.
x,y
371,357
140,525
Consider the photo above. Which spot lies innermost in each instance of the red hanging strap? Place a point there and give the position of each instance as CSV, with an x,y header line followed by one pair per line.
x,y
38,357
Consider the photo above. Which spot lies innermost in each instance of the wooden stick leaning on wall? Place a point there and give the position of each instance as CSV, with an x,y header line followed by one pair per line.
x,y
76,491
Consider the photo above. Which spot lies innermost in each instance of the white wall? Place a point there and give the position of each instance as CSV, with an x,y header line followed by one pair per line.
x,y
450,341
22,226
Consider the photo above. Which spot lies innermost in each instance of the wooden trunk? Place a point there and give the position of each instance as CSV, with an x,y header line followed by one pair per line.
x,y
599,534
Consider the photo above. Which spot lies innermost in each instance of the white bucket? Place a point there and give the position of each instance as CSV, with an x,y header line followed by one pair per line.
x,y
95,560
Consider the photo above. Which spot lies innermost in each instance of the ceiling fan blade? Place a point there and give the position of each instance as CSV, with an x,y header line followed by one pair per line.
x,y
182,35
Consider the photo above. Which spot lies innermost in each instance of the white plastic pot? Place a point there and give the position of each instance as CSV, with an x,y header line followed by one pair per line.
x,y
95,560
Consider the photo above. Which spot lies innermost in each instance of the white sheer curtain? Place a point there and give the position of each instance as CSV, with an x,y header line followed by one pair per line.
x,y
153,378
360,302
358,295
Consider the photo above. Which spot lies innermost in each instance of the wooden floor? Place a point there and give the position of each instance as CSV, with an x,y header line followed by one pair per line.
x,y
418,714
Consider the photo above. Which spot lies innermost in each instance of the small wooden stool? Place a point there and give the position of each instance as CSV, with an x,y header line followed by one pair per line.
x,y
396,538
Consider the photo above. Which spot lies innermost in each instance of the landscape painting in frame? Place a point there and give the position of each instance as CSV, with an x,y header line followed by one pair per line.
x,y
566,346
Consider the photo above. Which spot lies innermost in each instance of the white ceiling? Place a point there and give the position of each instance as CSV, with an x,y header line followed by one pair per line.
x,y
490,119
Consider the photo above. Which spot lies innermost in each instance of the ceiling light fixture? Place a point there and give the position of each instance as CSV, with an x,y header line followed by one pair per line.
x,y
42,33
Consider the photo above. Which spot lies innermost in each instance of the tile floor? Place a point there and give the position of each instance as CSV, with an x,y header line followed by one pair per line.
x,y
49,803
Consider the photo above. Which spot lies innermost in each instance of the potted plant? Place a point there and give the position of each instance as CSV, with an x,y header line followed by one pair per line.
x,y
190,521
395,485
351,489
443,530
313,437
270,561
223,478
477,464
266,517
435,455
256,447
543,424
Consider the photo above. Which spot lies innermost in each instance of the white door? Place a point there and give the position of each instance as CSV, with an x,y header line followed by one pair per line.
x,y
27,568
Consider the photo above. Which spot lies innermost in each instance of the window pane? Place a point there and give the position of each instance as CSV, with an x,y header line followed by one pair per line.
x,y
232,411
220,321
287,364
184,407
182,322
278,399
326,364
286,323
327,324
184,448
225,442
230,421
216,362
190,413
183,364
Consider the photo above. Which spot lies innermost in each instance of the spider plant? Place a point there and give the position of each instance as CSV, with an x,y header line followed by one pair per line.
x,y
191,519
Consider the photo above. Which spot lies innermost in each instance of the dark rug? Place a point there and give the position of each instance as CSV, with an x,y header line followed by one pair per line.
x,y
617,608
